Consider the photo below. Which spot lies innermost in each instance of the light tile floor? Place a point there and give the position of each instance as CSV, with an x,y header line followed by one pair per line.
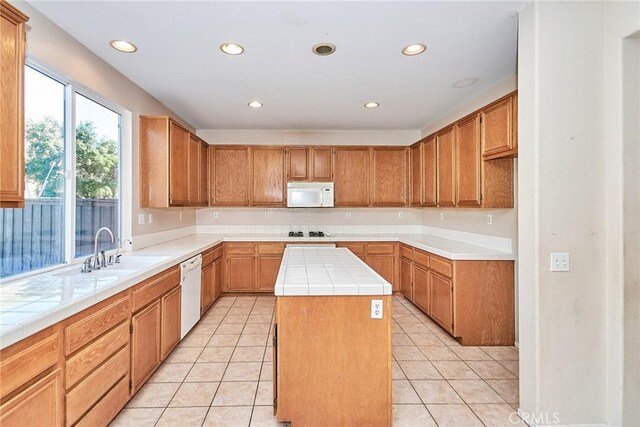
x,y
221,374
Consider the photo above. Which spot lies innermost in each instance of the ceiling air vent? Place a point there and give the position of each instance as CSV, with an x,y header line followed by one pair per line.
x,y
323,49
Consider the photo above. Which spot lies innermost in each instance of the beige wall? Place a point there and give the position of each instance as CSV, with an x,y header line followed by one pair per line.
x,y
51,47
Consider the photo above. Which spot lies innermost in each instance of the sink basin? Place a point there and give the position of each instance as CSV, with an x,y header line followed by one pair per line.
x,y
128,265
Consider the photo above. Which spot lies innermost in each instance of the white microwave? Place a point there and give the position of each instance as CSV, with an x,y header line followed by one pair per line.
x,y
310,194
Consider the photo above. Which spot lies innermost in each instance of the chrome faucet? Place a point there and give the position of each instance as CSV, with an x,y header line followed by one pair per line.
x,y
96,262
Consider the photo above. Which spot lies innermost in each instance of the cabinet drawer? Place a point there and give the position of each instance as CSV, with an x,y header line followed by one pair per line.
x,y
356,248
96,385
441,266
211,255
27,364
108,407
95,354
217,252
85,330
151,289
421,257
239,248
271,249
406,252
39,405
380,248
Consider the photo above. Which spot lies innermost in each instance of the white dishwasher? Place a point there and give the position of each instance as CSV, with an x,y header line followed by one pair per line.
x,y
190,281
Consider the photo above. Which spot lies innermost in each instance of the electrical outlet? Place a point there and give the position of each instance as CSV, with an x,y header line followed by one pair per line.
x,y
180,215
216,215
267,214
559,261
441,216
348,215
150,218
140,218
376,309
489,219
400,214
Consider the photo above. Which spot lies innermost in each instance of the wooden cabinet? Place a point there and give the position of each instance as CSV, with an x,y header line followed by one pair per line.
x,y
421,287
203,174
380,256
229,169
351,181
267,271
468,159
416,173
384,265
389,176
268,176
499,128
206,295
12,56
240,273
40,404
217,278
171,305
252,267
441,309
406,282
170,167
446,163
430,165
298,163
146,353
211,277
321,161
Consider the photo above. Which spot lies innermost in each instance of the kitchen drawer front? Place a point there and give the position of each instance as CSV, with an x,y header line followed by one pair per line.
x,y
27,364
406,252
271,249
441,266
151,289
241,248
217,252
88,359
381,248
80,333
421,257
89,391
108,407
211,255
356,248
39,405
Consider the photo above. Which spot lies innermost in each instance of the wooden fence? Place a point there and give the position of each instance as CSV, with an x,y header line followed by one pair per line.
x,y
33,237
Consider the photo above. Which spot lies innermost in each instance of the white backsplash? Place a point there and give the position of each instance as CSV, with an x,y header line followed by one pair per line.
x,y
327,228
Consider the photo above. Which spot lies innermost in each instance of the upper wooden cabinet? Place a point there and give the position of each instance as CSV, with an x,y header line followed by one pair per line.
x,y
468,161
298,163
389,176
446,167
416,175
170,168
500,128
12,51
203,174
229,168
268,176
351,176
310,163
430,165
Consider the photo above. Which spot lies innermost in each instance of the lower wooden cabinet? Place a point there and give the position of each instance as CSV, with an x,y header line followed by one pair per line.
x,y
421,287
251,267
406,283
267,272
441,308
211,277
39,405
380,256
171,305
241,273
146,354
217,278
384,265
206,294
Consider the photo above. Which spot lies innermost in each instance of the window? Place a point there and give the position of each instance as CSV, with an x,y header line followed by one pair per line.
x,y
72,177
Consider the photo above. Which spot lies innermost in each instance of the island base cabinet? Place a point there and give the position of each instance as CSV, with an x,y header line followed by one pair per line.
x,y
345,379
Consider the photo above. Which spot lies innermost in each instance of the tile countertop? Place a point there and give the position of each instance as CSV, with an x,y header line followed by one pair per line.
x,y
327,271
31,304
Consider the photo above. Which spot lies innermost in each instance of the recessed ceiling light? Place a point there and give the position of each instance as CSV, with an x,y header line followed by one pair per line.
x,y
123,46
323,49
255,104
414,49
371,105
231,48
465,82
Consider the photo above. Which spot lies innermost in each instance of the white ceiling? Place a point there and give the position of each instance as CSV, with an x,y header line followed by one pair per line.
x,y
179,61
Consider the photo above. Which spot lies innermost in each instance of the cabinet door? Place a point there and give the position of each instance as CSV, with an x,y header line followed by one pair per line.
x,y
179,152
171,320
145,344
430,165
389,181
298,164
203,174
268,176
39,405
497,132
417,175
229,176
240,273
268,267
383,265
12,47
468,161
441,309
421,287
321,164
207,288
194,170
446,173
217,278
405,279
351,176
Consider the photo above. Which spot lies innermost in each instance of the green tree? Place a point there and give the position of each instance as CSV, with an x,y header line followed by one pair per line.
x,y
96,162
44,165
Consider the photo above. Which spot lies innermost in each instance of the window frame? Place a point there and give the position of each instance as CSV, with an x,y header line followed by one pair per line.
x,y
71,88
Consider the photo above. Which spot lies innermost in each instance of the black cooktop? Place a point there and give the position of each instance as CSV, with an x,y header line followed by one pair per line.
x,y
311,234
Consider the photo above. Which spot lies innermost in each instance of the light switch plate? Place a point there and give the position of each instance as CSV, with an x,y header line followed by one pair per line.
x,y
376,309
140,218
560,261
150,218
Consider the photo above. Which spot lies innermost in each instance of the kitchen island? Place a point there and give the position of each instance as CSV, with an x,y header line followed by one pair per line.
x,y
332,340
